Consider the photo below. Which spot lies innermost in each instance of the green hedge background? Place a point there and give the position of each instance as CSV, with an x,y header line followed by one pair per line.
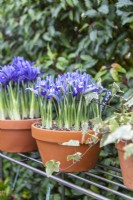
x,y
62,35
67,34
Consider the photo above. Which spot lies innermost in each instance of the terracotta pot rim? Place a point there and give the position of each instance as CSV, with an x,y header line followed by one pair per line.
x,y
20,120
17,124
57,136
60,131
121,144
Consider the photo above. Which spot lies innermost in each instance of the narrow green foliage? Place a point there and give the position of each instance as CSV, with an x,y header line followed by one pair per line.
x,y
5,190
16,103
3,110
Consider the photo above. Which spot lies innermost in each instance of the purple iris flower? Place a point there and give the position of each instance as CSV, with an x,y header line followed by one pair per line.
x,y
19,70
41,86
61,84
7,73
48,88
50,93
35,91
93,87
80,87
43,92
69,83
40,83
3,78
29,73
20,62
25,69
75,92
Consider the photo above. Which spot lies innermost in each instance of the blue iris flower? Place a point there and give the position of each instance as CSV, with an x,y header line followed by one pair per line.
x,y
7,73
69,83
20,70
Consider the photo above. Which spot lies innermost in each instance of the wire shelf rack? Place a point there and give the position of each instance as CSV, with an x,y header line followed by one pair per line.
x,y
97,177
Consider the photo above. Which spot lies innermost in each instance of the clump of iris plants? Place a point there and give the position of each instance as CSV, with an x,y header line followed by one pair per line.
x,y
15,77
70,100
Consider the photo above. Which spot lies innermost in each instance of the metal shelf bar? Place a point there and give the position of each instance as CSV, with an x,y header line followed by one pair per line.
x,y
57,179
30,158
60,178
109,167
98,177
108,173
104,179
102,187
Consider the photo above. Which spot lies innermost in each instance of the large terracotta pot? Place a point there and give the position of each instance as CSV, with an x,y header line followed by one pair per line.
x,y
126,165
50,148
15,136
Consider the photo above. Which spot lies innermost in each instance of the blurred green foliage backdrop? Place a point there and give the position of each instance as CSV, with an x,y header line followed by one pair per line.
x,y
67,34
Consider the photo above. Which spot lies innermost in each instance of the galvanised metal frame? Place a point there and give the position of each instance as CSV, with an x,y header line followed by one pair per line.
x,y
64,178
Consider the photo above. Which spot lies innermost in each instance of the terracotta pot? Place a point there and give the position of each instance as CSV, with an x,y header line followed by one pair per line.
x,y
15,136
50,148
126,165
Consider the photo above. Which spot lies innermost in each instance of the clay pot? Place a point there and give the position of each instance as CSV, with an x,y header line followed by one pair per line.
x,y
126,165
15,136
50,148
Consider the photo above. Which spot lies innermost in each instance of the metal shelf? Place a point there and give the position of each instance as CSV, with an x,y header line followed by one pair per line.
x,y
95,177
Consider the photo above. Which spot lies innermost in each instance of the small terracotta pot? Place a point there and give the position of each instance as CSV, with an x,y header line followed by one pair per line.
x,y
50,148
15,135
126,165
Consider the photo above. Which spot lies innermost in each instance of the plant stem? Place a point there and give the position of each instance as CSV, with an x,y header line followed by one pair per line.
x,y
2,106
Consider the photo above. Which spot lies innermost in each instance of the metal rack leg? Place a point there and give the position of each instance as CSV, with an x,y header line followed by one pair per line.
x,y
63,188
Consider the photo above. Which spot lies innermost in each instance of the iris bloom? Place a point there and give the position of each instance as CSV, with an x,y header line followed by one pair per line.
x,y
70,96
15,103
